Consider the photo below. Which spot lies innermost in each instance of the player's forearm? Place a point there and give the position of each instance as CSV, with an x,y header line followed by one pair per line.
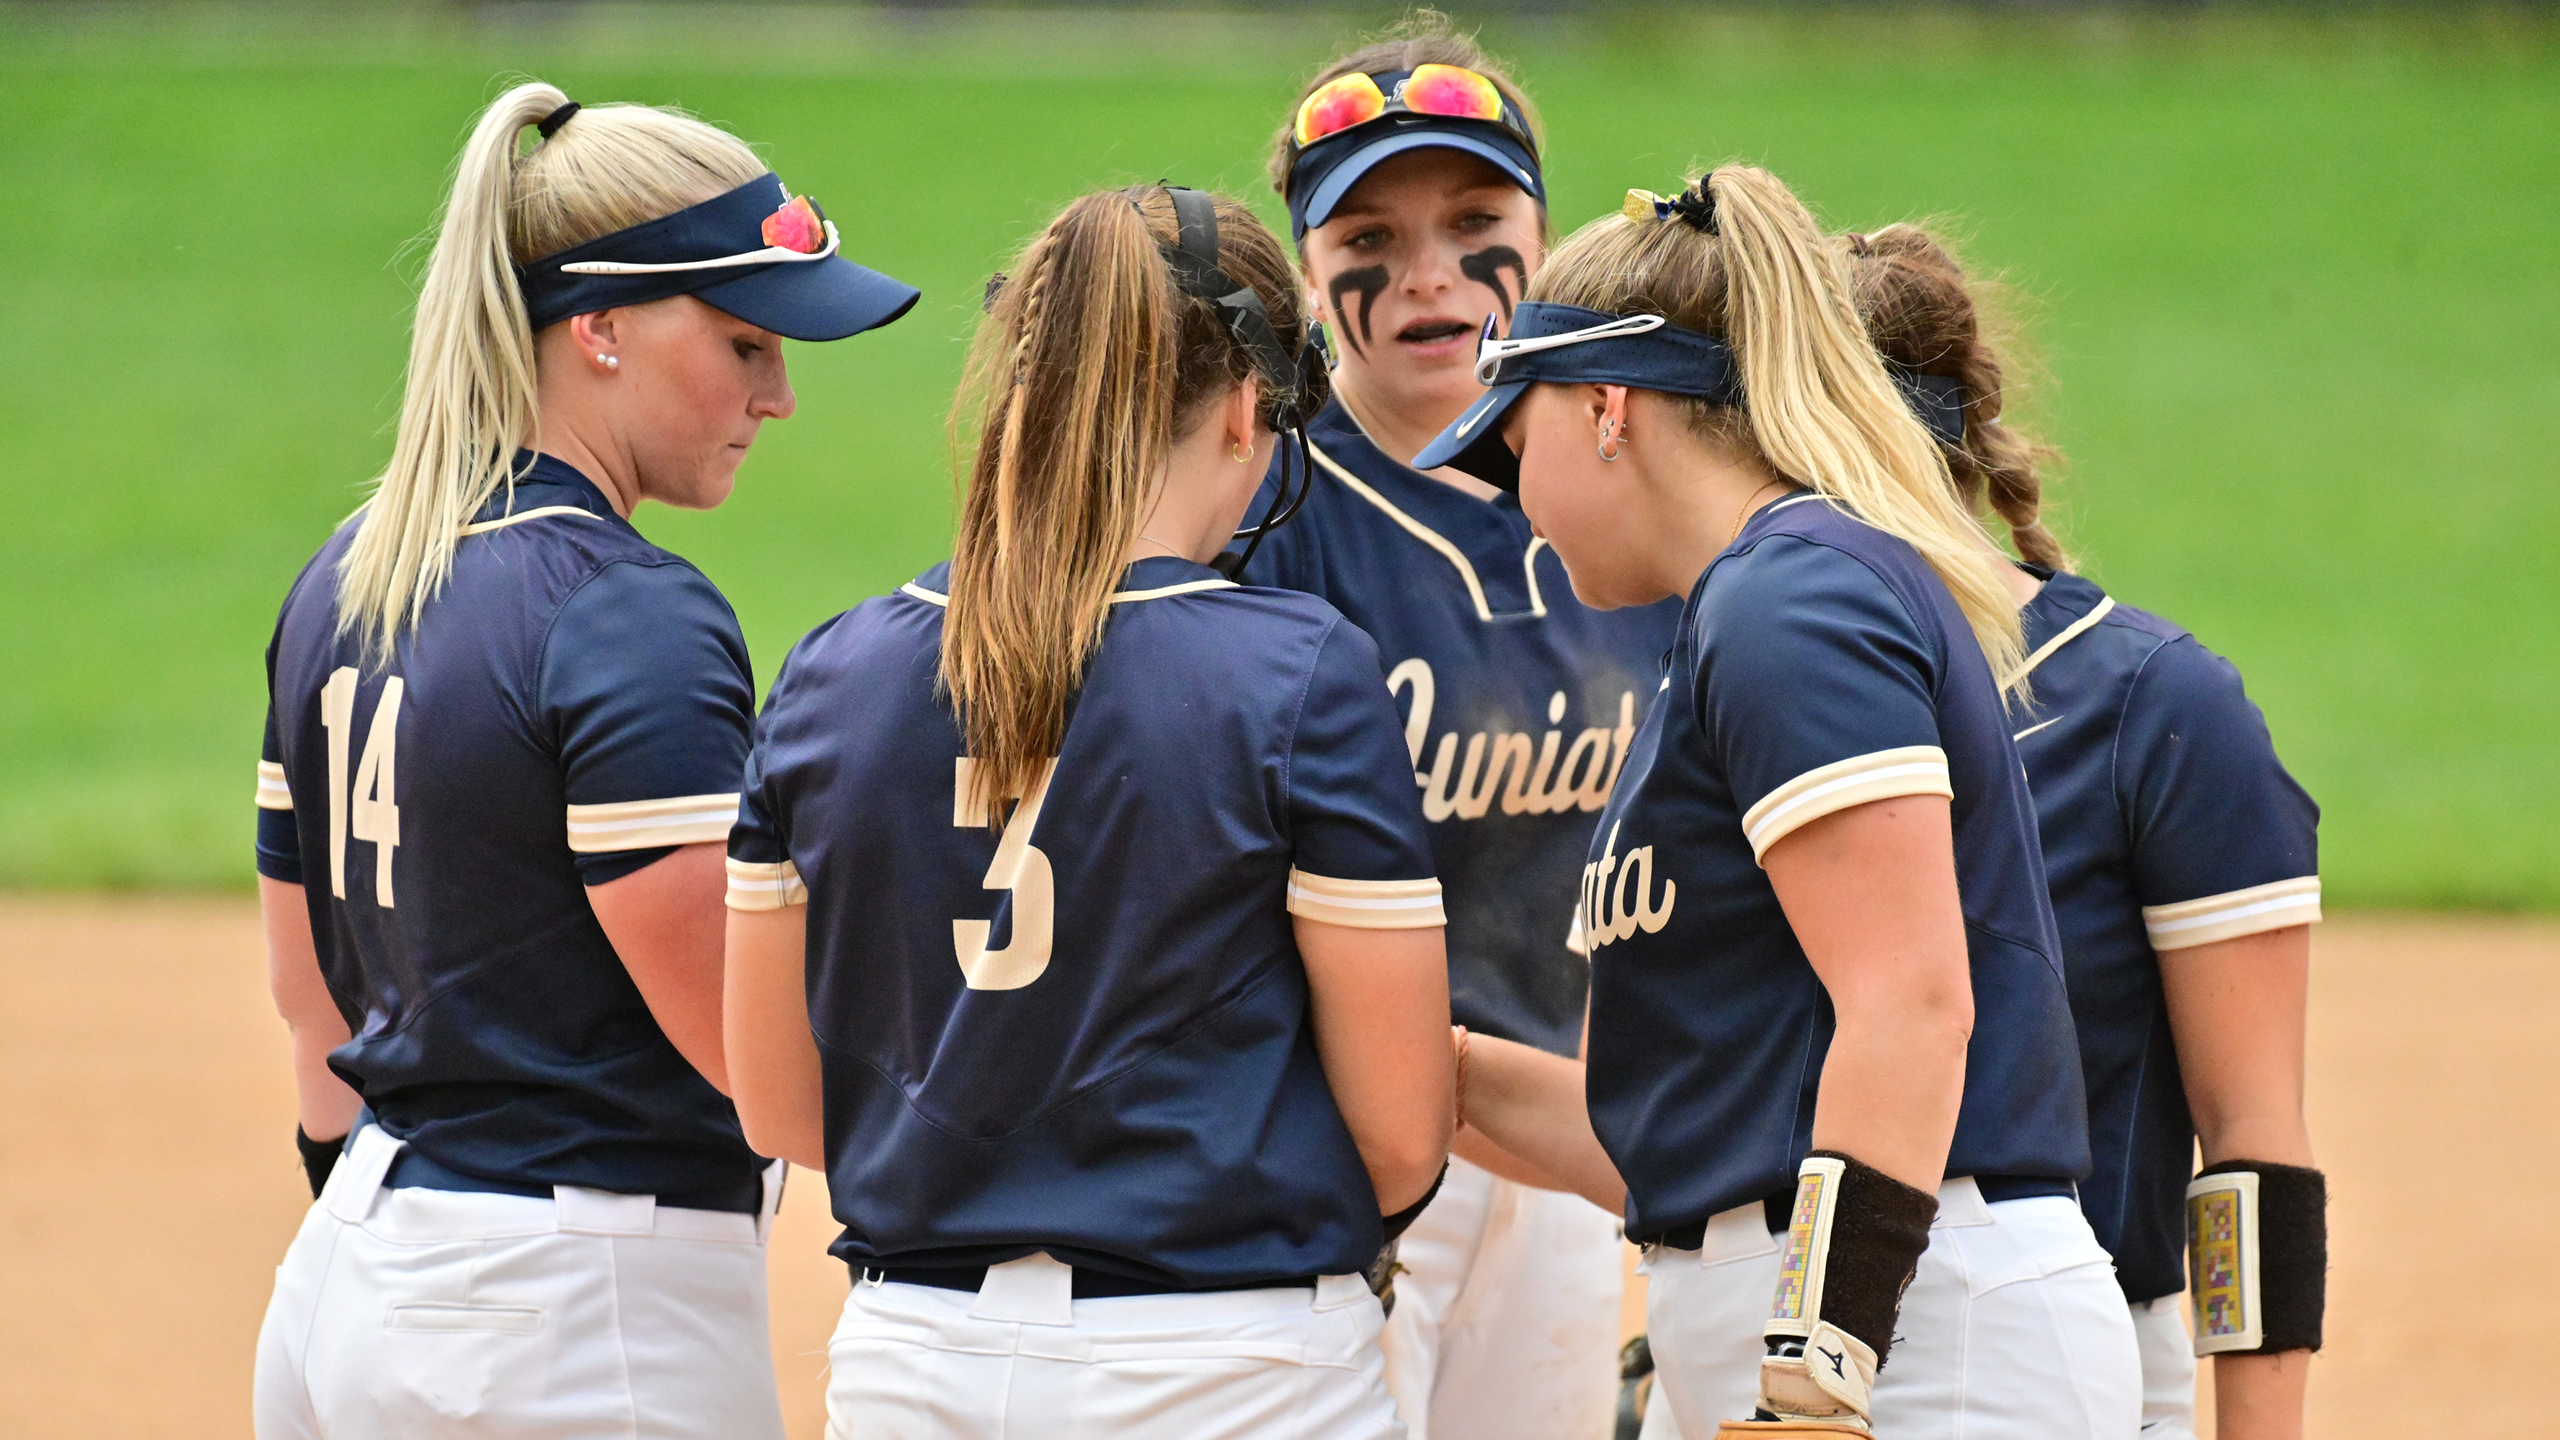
x,y
1890,1091
324,1105
773,1059
2237,1009
1530,1103
2260,1397
1474,1147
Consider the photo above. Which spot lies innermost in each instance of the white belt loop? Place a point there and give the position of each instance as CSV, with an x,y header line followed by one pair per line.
x,y
1336,1291
580,1211
358,1176
1034,1290
774,1176
1960,1204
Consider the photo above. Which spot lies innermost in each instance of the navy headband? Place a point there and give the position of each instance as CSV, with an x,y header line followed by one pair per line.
x,y
754,252
1567,344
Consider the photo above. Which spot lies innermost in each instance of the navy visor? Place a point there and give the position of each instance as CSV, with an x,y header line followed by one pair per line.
x,y
717,252
1328,169
1565,345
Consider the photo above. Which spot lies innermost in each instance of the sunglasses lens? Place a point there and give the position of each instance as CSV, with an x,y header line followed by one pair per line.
x,y
1451,92
1338,105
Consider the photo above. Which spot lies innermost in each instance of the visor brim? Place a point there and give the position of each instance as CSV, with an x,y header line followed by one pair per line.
x,y
831,299
1506,155
1473,443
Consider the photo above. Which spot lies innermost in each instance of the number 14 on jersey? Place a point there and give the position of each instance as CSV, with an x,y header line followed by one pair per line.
x,y
373,816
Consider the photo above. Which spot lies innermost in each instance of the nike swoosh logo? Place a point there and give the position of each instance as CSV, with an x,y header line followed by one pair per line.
x,y
2030,730
1469,424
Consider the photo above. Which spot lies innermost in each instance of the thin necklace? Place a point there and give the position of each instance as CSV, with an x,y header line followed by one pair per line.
x,y
1745,513
1169,550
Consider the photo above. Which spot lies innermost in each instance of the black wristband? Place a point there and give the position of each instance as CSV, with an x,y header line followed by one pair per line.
x,y
319,1157
1401,1221
1872,1237
2257,1257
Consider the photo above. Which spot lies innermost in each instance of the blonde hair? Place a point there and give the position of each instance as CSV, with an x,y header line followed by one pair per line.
x,y
1927,317
1818,407
468,401
1086,369
1422,37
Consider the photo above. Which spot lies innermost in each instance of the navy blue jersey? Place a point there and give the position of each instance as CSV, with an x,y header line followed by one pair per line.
x,y
1085,1031
2167,822
1519,703
572,704
1821,665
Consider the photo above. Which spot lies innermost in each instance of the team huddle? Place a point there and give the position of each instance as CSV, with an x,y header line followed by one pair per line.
x,y
1433,750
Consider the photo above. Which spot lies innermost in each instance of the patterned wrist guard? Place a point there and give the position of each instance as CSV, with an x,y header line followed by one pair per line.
x,y
1853,1244
2257,1257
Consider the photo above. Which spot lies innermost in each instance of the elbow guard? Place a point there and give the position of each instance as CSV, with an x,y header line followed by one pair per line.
x,y
1853,1243
2257,1257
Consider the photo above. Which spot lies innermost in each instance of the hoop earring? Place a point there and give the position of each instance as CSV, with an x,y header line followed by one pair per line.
x,y
1609,435
1242,454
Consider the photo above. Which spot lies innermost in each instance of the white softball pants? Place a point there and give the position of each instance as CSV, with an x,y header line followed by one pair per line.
x,y
1022,1359
1506,1318
2012,1330
2168,1369
424,1314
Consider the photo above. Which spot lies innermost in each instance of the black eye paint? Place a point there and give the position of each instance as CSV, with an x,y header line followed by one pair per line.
x,y
1371,282
1485,267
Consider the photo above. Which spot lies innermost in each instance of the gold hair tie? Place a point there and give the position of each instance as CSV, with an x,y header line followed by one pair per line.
x,y
1645,205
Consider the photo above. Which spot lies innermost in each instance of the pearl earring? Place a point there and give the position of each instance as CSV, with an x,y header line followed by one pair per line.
x,y
610,362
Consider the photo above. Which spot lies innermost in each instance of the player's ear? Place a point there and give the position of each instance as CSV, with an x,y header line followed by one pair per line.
x,y
1243,411
597,337
1604,407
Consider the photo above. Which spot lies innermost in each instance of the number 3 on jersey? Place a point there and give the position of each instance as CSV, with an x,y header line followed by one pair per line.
x,y
374,815
1018,867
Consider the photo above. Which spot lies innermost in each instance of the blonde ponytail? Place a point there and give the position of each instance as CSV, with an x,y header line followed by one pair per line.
x,y
468,400
1087,368
1818,406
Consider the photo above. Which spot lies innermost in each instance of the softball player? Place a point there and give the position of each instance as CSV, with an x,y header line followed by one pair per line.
x,y
1831,1052
1411,173
2184,869
1102,885
504,735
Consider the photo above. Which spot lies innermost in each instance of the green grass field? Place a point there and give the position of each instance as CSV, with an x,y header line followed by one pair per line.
x,y
2291,279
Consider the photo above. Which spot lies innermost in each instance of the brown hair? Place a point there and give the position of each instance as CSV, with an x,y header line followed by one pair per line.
x,y
468,400
1422,37
1087,367
1926,317
1818,406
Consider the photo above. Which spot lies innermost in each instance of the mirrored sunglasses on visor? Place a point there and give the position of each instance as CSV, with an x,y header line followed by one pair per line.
x,y
1443,92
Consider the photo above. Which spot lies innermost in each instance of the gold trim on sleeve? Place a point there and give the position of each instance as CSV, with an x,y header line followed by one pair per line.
x,y
646,824
755,887
273,792
2228,916
1367,904
1881,775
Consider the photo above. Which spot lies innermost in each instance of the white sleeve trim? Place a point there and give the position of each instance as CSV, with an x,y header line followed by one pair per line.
x,y
273,793
1366,904
765,887
646,824
1882,775
2230,915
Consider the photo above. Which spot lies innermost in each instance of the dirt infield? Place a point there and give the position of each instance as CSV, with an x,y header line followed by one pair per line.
x,y
148,1182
